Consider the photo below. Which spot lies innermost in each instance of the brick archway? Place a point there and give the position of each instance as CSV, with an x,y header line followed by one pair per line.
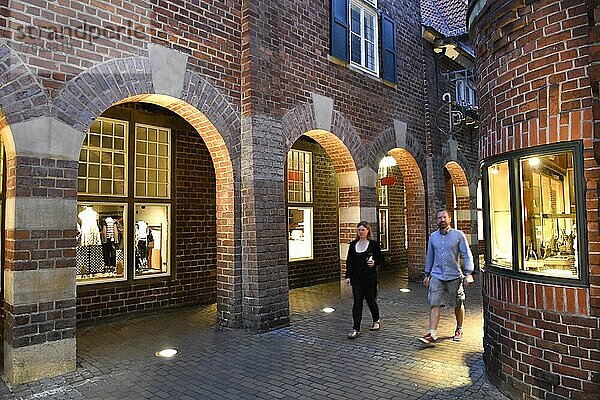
x,y
22,97
459,186
92,92
348,155
415,211
407,150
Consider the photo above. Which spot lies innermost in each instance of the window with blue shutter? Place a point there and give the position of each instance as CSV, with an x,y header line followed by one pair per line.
x,y
388,49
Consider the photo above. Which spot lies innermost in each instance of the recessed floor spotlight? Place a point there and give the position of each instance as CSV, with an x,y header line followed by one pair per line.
x,y
166,353
404,290
328,310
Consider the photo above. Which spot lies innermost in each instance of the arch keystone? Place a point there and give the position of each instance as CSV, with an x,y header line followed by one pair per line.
x,y
168,70
400,129
323,110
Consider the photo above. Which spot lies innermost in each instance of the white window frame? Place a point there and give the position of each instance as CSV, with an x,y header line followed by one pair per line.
x,y
368,7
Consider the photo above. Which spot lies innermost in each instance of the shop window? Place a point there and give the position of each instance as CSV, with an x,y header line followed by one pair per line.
x,y
383,203
537,228
300,210
500,215
300,233
120,235
479,212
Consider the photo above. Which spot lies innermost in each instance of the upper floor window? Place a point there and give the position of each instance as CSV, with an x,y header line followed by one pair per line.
x,y
465,93
363,36
537,227
358,32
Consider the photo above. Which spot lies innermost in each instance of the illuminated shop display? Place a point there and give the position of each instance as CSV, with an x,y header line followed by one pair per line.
x,y
533,215
120,235
300,209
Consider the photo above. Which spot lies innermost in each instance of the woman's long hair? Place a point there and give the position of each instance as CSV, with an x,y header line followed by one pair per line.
x,y
364,224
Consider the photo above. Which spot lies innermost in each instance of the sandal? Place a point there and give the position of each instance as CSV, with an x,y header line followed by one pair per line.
x,y
376,326
354,334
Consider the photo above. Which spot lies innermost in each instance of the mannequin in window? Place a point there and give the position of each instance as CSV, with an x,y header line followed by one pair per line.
x,y
90,234
109,235
141,235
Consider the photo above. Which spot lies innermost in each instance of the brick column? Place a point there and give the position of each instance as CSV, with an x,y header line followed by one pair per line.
x,y
39,268
265,291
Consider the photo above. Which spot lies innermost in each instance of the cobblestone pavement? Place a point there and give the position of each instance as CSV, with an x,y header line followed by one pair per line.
x,y
310,359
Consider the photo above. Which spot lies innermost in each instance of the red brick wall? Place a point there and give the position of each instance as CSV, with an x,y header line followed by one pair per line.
x,y
288,52
325,265
60,39
194,280
541,340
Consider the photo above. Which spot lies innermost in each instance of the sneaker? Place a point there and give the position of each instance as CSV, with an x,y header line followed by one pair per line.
x,y
458,334
427,339
376,325
354,334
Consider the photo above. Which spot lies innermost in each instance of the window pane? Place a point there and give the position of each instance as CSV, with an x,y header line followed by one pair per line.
x,y
151,141
300,232
501,236
151,244
355,49
100,154
299,176
549,218
101,242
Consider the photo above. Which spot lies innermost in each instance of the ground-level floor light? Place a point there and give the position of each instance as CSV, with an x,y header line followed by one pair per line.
x,y
166,353
405,290
328,310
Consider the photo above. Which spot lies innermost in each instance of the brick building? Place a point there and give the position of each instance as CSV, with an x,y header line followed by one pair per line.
x,y
160,154
538,79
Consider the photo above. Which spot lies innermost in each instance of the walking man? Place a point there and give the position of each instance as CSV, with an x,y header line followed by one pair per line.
x,y
443,274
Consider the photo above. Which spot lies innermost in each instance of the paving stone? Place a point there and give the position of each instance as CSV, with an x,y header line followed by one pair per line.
x,y
309,359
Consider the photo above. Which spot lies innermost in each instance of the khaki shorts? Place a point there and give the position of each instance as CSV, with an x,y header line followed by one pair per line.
x,y
450,293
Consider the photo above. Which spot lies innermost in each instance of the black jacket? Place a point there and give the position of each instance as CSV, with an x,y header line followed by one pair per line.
x,y
356,263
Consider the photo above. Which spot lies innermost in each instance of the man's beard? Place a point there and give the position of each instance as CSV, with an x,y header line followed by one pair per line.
x,y
443,226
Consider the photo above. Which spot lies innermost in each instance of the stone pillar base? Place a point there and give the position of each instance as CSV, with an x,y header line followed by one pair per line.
x,y
45,360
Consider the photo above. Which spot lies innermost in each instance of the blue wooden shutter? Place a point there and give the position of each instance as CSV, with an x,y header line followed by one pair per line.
x,y
339,30
388,48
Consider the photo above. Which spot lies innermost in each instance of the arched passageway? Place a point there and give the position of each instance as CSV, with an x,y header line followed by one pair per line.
x,y
415,210
323,200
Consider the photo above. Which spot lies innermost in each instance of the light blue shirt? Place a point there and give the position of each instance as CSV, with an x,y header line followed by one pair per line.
x,y
443,253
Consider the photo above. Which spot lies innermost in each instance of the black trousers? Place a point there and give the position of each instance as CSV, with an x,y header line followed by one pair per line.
x,y
110,253
368,292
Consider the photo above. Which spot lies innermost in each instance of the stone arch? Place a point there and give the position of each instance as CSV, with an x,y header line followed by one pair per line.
x,y
95,90
22,96
460,171
410,158
415,211
348,156
461,192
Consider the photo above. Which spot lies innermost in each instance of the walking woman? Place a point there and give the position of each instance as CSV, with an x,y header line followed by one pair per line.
x,y
364,258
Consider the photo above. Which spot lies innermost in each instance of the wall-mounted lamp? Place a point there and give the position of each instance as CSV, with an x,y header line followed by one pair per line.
x,y
387,161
